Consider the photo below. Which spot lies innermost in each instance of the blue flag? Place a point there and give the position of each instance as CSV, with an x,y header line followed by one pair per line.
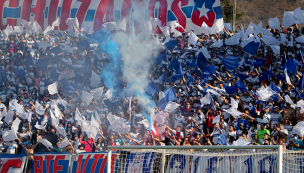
x,y
211,69
161,57
257,62
83,45
41,63
283,62
231,89
3,76
56,50
162,79
230,62
201,61
19,73
175,77
54,74
169,95
266,75
180,69
152,89
300,94
275,88
29,62
170,45
191,63
251,47
241,86
174,64
190,77
291,65
280,77
242,76
300,84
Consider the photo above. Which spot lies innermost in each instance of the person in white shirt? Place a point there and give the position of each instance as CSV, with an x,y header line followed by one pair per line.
x,y
216,134
179,120
275,117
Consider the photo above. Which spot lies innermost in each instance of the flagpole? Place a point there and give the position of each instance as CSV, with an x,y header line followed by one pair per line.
x,y
234,16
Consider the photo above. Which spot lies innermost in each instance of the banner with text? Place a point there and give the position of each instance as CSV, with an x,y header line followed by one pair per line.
x,y
92,163
12,163
51,163
190,14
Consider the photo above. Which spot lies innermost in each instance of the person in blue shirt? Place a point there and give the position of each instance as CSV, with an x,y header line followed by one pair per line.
x,y
243,121
295,144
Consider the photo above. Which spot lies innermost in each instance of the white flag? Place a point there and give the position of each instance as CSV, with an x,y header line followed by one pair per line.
x,y
287,76
123,25
53,88
97,93
72,21
9,135
47,29
18,29
39,109
44,45
86,97
46,143
9,116
15,125
95,79
64,143
171,106
55,23
41,127
192,38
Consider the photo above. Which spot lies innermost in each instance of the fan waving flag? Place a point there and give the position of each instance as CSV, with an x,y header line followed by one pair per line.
x,y
208,15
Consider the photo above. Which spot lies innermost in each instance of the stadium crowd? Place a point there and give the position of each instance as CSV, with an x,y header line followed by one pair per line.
x,y
247,99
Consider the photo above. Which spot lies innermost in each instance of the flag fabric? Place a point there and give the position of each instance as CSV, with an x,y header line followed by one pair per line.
x,y
291,65
86,97
231,89
95,79
241,86
46,143
257,62
265,93
274,23
191,63
266,75
208,15
52,88
152,89
56,23
169,95
287,76
72,22
230,62
211,69
251,45
174,64
64,143
192,38
97,93
242,76
171,106
275,88
162,79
